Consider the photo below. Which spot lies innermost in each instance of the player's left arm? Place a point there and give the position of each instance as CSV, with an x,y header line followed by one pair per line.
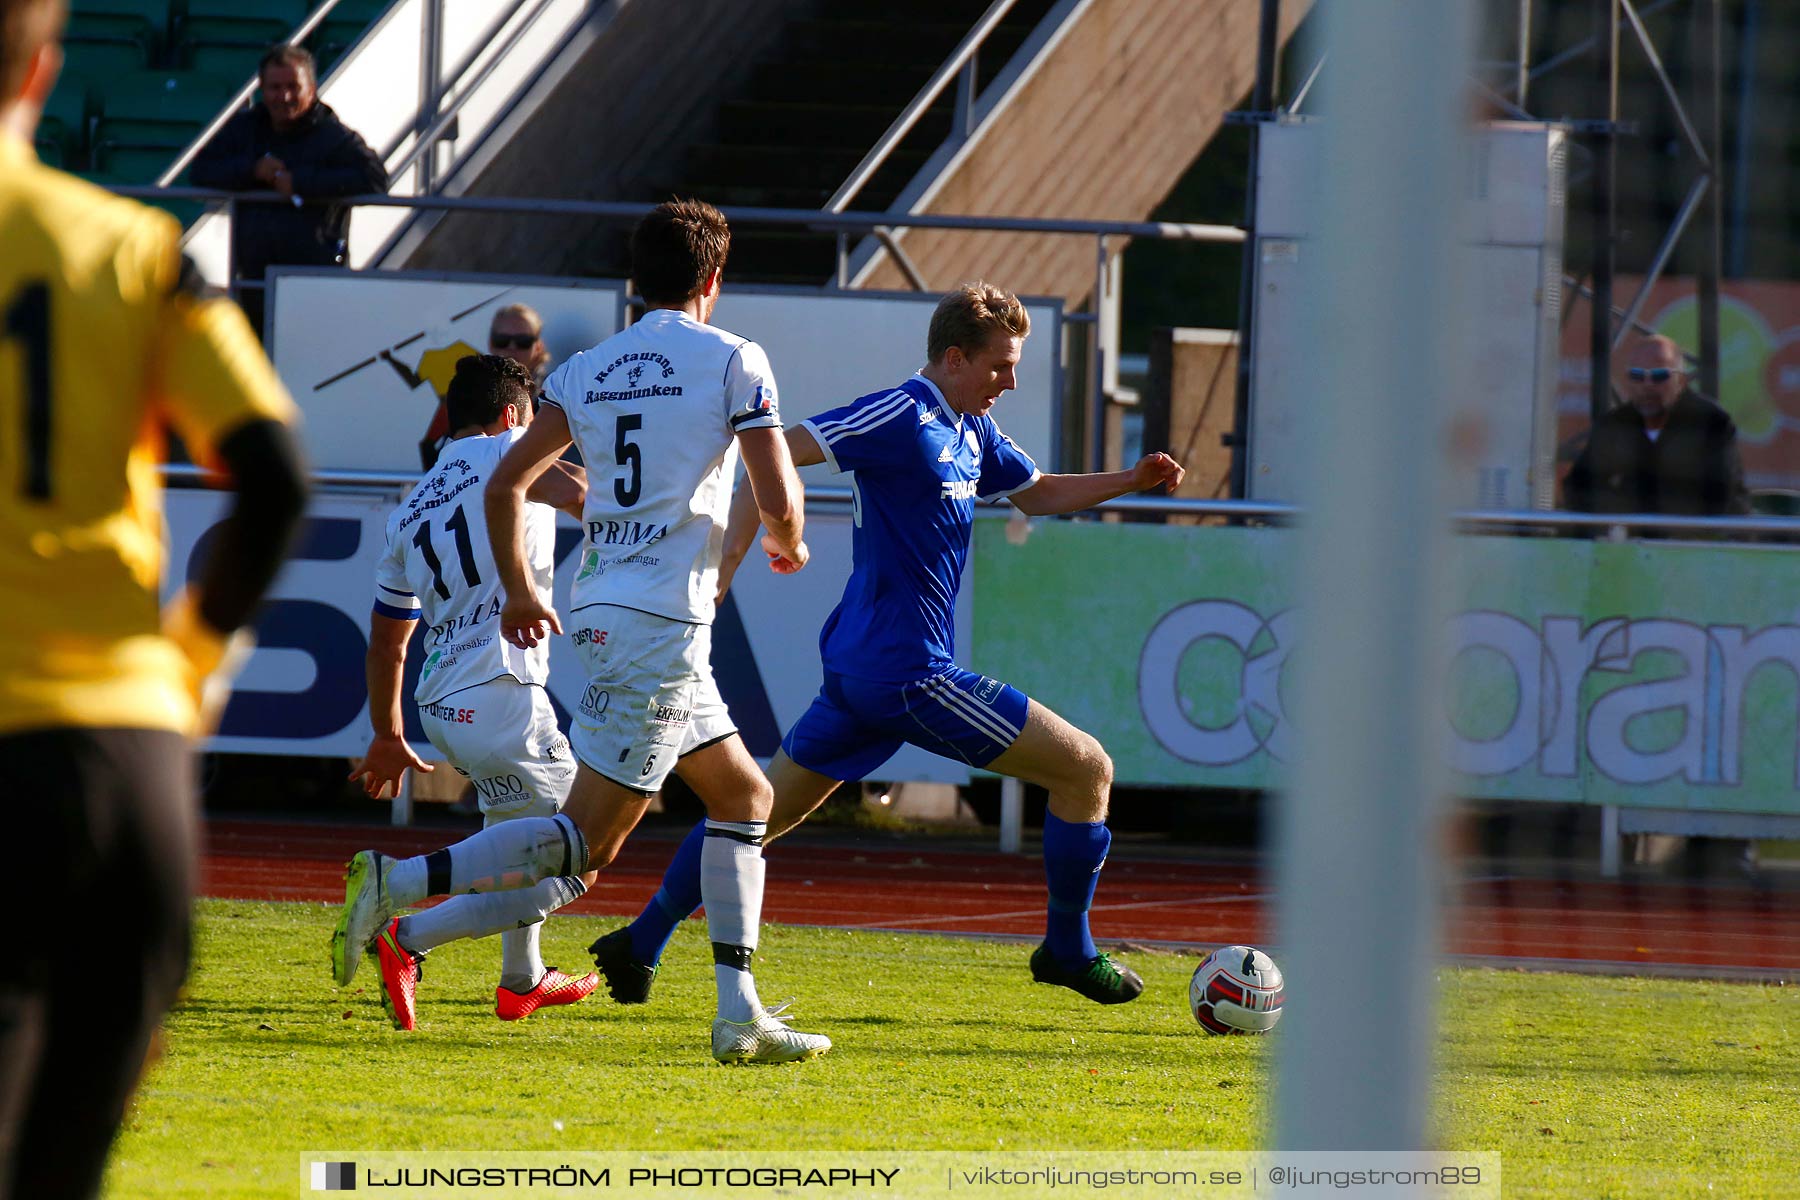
x,y
1053,494
527,618
746,518
388,756
211,380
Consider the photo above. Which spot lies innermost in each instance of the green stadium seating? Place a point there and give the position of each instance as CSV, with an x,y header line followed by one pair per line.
x,y
153,11
51,142
134,164
70,109
108,58
147,118
287,13
237,60
144,23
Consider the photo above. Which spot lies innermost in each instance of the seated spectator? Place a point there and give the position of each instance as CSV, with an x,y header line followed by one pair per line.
x,y
1667,450
295,146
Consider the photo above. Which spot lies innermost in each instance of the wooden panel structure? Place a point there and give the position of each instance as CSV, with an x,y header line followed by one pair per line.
x,y
1188,408
1110,120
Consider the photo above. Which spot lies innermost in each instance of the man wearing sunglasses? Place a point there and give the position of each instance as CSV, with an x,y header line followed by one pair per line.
x,y
1666,450
516,332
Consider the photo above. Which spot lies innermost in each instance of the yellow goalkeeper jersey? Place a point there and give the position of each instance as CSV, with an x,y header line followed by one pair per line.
x,y
101,349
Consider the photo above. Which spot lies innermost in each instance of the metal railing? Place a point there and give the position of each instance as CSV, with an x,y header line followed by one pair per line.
x,y
446,116
808,218
1474,519
961,63
841,223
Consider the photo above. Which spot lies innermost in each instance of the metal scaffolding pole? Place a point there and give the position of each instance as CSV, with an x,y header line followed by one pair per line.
x,y
1262,102
1522,86
1603,208
1707,82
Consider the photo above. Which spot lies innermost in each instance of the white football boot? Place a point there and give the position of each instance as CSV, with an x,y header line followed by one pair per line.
x,y
764,1039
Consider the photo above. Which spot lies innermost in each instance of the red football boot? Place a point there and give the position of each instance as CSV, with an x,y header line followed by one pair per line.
x,y
553,988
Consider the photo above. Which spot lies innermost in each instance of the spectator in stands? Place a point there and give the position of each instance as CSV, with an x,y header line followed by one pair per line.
x,y
516,332
295,146
1667,450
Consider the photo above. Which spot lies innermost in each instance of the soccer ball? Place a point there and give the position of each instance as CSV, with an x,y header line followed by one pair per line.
x,y
1236,989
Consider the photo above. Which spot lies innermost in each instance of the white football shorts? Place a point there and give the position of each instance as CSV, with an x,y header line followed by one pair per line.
x,y
502,734
650,697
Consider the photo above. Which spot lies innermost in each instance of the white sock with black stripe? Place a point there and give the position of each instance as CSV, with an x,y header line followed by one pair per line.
x,y
731,887
477,915
512,854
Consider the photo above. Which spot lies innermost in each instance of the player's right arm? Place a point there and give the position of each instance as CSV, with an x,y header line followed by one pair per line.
x,y
527,618
396,614
388,756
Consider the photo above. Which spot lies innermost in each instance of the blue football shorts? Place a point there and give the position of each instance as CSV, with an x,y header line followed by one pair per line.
x,y
855,725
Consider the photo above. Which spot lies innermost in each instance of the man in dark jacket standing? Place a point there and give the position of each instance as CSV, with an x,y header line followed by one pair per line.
x,y
295,146
1666,451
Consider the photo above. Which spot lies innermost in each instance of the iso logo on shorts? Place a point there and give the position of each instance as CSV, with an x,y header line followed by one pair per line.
x,y
594,703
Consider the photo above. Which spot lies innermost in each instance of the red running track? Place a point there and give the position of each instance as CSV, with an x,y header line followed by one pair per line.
x,y
1652,927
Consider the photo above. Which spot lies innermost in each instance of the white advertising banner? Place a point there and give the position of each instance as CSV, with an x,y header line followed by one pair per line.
x,y
368,355
303,691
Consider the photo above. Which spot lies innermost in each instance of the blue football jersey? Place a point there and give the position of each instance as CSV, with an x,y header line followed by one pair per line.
x,y
917,469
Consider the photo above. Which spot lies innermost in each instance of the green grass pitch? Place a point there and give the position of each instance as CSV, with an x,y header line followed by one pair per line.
x,y
1592,1087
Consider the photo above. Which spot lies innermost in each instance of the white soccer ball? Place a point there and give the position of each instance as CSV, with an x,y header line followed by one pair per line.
x,y
1236,989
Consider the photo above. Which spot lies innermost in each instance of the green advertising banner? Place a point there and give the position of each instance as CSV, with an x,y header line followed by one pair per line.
x,y
1637,673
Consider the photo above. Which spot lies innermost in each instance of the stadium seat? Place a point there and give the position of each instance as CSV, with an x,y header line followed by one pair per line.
x,y
235,59
142,21
144,106
156,12
50,142
104,58
70,111
288,13
148,118
129,163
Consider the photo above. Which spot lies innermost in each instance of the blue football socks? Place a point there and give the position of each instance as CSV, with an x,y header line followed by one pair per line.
x,y
673,903
1073,856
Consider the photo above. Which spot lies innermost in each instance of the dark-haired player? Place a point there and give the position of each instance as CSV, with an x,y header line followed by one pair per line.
x,y
660,412
481,699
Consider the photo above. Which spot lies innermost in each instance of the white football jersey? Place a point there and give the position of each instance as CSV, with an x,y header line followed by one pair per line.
x,y
439,566
654,410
